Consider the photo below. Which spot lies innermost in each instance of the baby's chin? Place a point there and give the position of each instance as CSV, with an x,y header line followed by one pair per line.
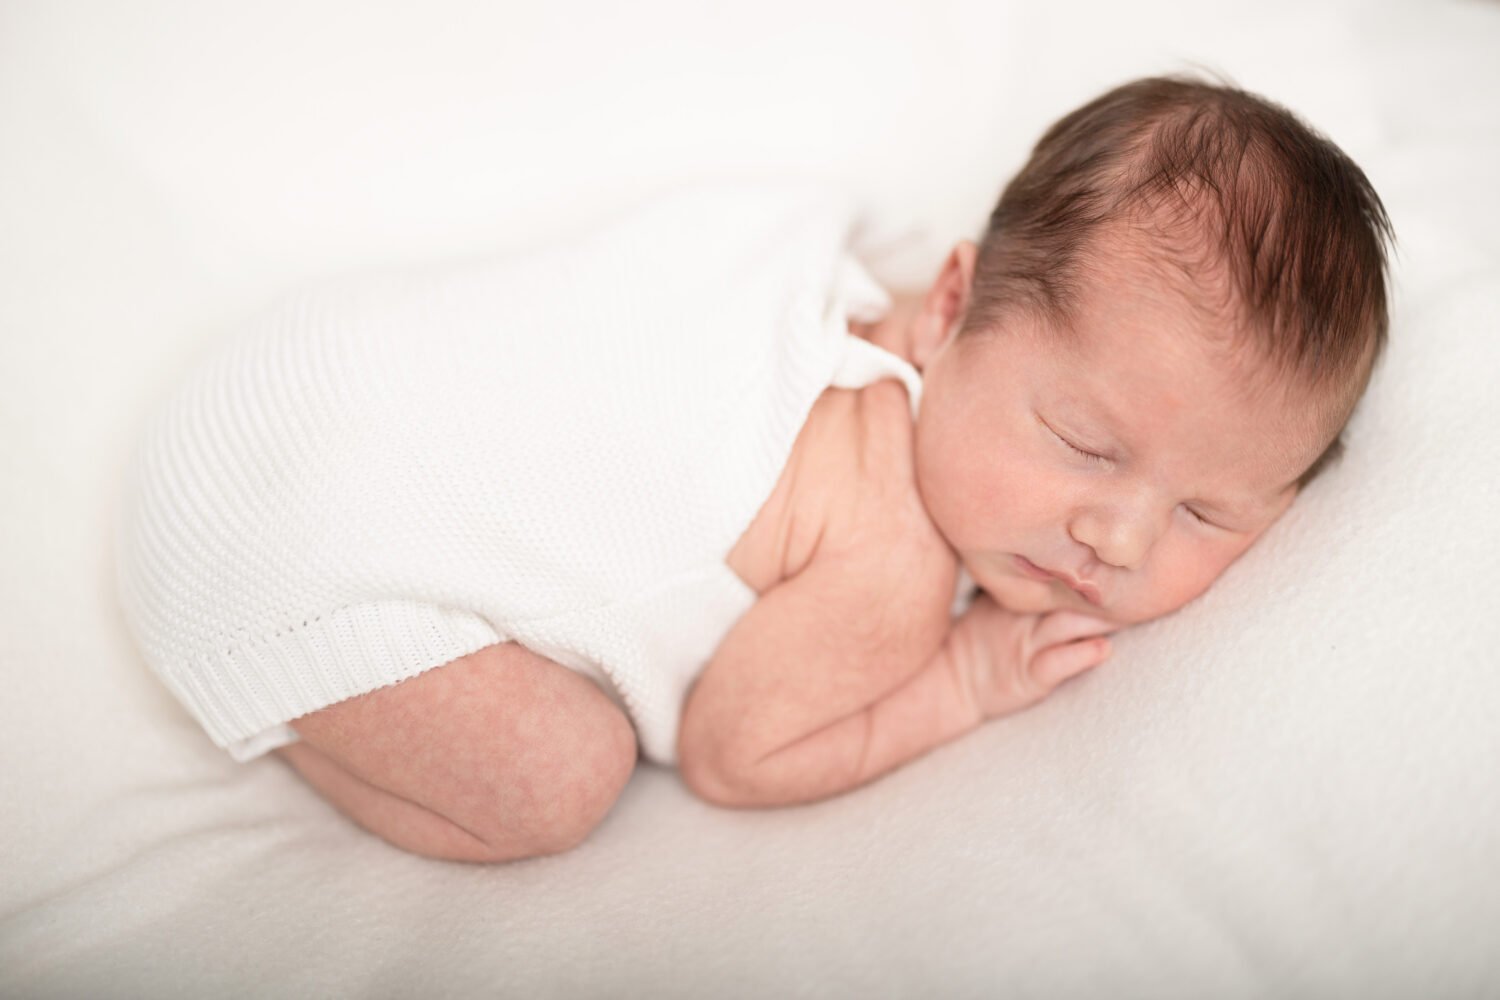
x,y
1020,604
1022,597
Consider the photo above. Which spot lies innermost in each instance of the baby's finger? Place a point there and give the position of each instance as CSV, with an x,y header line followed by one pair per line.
x,y
1065,626
1052,666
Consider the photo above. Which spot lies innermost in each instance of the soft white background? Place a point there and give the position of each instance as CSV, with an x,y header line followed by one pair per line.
x,y
1288,789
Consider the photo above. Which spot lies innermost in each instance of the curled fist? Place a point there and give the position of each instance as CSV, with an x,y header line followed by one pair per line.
x,y
1011,661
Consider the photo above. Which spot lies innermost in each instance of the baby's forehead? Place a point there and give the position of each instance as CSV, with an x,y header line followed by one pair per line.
x,y
1178,359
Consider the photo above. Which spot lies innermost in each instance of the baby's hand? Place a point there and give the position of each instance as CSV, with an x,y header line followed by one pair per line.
x,y
1011,661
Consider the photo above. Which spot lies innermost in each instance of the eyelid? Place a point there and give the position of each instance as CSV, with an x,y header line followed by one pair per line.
x,y
1221,527
1200,518
1086,454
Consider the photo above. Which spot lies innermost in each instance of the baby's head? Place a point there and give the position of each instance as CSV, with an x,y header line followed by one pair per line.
x,y
1173,311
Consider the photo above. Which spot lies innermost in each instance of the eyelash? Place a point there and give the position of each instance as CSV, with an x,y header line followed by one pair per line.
x,y
1200,518
1086,454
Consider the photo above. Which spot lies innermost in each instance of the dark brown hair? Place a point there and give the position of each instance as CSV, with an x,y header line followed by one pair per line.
x,y
1254,207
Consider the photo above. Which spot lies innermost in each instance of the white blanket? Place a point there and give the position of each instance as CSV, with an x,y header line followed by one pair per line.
x,y
1287,789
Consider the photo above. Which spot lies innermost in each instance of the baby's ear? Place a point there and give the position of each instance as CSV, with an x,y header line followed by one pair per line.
x,y
944,306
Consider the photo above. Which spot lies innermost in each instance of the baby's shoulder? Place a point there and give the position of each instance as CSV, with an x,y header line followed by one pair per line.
x,y
848,494
873,499
861,501
877,547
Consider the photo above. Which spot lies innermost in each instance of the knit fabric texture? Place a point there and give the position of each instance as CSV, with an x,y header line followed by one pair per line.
x,y
391,469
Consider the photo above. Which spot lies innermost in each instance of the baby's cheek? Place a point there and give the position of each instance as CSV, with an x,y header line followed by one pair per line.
x,y
1198,569
1011,491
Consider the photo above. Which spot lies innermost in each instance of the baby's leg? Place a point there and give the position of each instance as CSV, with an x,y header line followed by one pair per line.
x,y
498,755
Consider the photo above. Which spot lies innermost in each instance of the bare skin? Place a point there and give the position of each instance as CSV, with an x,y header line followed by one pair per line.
x,y
498,755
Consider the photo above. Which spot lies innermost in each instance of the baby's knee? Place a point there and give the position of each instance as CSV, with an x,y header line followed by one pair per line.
x,y
499,755
574,793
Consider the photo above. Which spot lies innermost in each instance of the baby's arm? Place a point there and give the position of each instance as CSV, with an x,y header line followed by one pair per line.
x,y
852,667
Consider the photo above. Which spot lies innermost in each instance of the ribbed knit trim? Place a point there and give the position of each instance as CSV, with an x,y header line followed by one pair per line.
x,y
246,690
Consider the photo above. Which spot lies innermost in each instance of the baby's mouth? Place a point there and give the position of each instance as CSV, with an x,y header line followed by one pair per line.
x,y
1085,589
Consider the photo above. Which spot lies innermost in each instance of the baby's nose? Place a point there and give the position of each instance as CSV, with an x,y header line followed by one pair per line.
x,y
1120,536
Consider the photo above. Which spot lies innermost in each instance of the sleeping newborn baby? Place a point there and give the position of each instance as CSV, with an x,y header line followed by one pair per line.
x,y
461,543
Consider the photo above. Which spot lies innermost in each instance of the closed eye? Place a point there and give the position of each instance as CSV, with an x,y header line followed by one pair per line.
x,y
1086,454
1200,518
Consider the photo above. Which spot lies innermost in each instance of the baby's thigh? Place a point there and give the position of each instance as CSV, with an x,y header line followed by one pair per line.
x,y
513,748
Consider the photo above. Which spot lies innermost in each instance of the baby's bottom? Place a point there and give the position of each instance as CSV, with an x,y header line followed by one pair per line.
x,y
498,755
